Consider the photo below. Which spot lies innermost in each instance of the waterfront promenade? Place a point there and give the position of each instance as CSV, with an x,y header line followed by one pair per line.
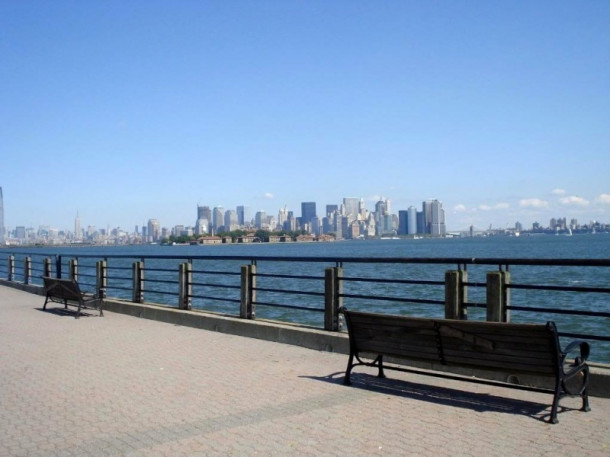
x,y
125,386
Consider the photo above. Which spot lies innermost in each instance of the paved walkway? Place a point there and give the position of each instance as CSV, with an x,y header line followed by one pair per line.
x,y
124,386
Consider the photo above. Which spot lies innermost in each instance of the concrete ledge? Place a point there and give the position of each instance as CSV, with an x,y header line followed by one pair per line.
x,y
30,288
266,330
308,337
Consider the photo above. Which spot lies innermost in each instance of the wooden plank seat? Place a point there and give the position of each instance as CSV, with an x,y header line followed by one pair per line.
x,y
499,347
68,293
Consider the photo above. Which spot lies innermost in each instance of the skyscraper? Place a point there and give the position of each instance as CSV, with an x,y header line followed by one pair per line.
x,y
412,221
243,215
308,212
204,218
403,222
1,217
217,218
351,207
437,218
230,220
78,234
153,231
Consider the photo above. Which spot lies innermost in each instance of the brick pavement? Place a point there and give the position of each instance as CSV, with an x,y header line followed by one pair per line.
x,y
124,386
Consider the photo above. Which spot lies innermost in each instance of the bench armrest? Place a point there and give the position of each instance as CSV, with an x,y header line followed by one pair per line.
x,y
579,360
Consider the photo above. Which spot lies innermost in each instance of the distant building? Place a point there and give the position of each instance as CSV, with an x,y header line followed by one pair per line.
x,y
308,212
204,216
403,222
78,234
217,218
20,232
412,221
230,220
154,231
260,220
351,207
331,209
243,216
437,219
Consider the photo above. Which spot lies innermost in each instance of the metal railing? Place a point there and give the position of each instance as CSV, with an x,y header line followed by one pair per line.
x,y
309,290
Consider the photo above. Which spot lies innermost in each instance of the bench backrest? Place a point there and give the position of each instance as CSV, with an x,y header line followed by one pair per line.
x,y
520,348
62,288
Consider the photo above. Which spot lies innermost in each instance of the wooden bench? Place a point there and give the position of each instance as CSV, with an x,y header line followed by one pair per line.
x,y
514,349
67,292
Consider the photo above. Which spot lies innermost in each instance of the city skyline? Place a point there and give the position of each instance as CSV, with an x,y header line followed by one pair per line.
x,y
347,220
124,111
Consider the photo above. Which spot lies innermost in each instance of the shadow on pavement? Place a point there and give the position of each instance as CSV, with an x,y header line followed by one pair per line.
x,y
62,312
476,401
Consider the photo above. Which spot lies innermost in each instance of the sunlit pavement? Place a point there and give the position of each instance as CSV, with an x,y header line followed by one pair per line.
x,y
120,385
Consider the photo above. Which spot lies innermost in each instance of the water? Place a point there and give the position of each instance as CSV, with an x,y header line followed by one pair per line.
x,y
226,300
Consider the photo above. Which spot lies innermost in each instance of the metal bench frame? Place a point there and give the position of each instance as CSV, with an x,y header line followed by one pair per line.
x,y
68,293
500,347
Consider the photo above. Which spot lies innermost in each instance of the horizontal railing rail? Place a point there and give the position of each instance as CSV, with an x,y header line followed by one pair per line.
x,y
294,288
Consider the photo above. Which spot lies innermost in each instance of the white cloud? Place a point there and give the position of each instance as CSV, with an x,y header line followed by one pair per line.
x,y
496,206
558,192
573,201
533,203
604,198
269,196
459,208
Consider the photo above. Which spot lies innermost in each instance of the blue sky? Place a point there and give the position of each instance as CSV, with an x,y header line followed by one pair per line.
x,y
125,111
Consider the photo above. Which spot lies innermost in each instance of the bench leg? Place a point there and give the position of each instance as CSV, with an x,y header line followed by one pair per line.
x,y
44,307
553,419
348,371
379,361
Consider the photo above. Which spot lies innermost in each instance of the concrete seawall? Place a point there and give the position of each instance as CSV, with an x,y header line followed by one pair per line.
x,y
306,337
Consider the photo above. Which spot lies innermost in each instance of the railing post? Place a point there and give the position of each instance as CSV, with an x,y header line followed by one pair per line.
x,y
248,294
11,267
58,266
138,282
185,279
27,270
506,294
497,296
456,294
46,267
332,297
452,294
73,267
100,278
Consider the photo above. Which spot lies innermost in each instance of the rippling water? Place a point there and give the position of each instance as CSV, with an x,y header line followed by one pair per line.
x,y
211,297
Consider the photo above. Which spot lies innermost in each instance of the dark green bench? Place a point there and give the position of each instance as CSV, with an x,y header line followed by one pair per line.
x,y
68,293
500,347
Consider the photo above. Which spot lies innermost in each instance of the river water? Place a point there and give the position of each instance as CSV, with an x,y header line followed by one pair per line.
x,y
210,274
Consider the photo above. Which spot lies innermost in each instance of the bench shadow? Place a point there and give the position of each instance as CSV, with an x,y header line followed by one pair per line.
x,y
446,396
62,312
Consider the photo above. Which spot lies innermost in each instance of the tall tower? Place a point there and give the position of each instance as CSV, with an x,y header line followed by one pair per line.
x,y
352,207
243,215
412,221
218,214
78,234
308,212
437,222
1,217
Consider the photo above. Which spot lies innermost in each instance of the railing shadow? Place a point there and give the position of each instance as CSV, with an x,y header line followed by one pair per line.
x,y
475,401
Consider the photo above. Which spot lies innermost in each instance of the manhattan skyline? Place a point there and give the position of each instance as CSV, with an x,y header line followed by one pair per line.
x,y
124,112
